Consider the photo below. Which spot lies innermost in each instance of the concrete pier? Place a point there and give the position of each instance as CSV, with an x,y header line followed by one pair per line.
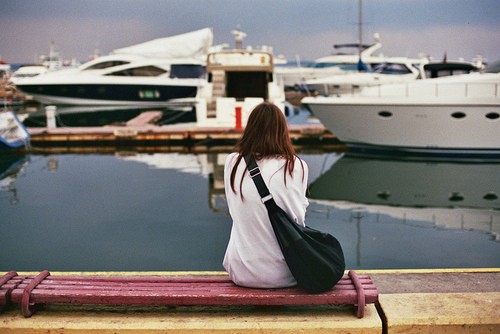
x,y
147,135
410,301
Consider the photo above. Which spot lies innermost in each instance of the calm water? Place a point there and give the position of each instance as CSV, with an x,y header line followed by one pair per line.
x,y
167,211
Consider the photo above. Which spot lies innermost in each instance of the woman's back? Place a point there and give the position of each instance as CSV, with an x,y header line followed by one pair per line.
x,y
253,257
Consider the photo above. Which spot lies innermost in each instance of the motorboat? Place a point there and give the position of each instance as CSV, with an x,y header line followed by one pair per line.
x,y
46,63
397,70
165,71
348,59
28,71
13,134
238,80
345,60
450,194
449,116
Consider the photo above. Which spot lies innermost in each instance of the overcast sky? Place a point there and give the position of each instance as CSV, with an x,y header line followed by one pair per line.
x,y
304,28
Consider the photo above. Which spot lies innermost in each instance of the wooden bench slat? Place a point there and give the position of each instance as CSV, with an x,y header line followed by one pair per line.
x,y
149,279
172,279
344,282
16,293
182,298
171,296
164,287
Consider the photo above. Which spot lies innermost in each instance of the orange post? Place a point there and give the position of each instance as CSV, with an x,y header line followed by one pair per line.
x,y
238,125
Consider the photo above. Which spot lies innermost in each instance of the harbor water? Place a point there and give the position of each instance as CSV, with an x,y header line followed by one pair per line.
x,y
130,211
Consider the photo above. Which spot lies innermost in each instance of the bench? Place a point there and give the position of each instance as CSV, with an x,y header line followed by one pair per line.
x,y
29,291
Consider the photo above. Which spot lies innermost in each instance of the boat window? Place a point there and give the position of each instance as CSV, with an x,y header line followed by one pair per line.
x,y
458,115
385,114
391,68
106,64
448,69
491,196
456,197
492,115
187,71
445,73
144,71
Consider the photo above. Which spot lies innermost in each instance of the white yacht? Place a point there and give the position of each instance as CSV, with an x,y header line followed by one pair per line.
x,y
454,115
166,71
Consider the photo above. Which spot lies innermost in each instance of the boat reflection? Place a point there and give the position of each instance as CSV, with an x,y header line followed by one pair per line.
x,y
448,194
11,166
208,165
211,166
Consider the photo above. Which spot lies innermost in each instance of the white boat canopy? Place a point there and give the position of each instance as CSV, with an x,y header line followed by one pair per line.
x,y
195,44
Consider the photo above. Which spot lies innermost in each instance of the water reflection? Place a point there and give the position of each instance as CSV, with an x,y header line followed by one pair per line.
x,y
167,211
454,195
11,166
210,166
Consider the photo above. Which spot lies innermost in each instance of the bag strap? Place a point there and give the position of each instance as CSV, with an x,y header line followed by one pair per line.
x,y
256,176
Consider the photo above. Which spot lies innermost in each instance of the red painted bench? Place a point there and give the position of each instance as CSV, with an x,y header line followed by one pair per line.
x,y
28,291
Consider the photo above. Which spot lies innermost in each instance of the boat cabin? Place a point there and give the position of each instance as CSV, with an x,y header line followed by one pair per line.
x,y
237,78
240,74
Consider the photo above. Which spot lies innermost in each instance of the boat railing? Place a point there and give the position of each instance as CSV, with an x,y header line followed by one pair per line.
x,y
434,90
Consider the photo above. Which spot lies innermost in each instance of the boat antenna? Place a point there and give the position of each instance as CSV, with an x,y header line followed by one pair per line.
x,y
360,28
238,37
361,66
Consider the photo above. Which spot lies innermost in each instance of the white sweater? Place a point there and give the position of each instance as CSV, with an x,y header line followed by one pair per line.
x,y
253,257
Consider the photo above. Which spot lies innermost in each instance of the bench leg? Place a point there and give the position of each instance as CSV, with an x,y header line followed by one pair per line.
x,y
5,294
360,312
25,303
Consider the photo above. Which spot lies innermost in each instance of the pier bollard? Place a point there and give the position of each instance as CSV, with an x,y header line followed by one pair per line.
x,y
50,114
238,125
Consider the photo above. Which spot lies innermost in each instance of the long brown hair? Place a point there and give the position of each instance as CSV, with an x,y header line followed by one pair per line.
x,y
266,135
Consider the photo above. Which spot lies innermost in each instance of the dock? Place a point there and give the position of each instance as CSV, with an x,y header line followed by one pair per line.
x,y
142,132
410,301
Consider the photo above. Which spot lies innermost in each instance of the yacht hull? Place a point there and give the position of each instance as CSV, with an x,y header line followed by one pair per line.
x,y
446,116
438,128
108,94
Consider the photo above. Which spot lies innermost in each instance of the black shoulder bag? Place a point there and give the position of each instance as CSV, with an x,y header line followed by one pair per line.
x,y
315,258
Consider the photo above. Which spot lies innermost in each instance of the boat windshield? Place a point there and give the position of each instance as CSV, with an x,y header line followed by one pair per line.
x,y
187,71
143,71
106,64
342,66
392,68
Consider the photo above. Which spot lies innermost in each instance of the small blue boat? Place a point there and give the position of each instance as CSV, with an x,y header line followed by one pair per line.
x,y
13,134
